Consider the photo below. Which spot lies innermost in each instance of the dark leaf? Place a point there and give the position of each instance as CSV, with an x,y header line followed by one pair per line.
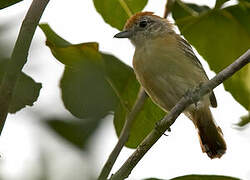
x,y
7,3
245,120
85,91
182,10
221,36
76,131
26,91
204,177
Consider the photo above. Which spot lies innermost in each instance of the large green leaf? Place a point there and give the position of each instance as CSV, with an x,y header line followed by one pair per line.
x,y
124,81
26,91
204,177
116,12
96,87
85,91
220,36
7,3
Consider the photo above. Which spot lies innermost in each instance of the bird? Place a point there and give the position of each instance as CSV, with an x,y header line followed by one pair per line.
x,y
166,67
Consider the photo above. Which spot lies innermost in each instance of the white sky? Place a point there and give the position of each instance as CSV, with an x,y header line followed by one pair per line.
x,y
24,139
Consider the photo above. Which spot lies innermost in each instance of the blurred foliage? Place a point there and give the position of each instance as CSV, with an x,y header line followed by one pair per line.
x,y
245,120
76,131
204,177
27,90
220,36
117,12
7,3
199,177
95,83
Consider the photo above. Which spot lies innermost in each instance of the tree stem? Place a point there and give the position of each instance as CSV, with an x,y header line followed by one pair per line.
x,y
19,56
170,118
124,135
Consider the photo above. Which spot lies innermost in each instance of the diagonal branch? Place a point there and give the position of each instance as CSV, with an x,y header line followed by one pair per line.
x,y
191,97
19,56
124,134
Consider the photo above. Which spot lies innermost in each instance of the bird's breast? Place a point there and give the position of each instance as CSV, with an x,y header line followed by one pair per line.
x,y
165,72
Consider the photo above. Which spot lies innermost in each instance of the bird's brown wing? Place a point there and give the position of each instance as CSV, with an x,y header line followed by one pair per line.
x,y
187,49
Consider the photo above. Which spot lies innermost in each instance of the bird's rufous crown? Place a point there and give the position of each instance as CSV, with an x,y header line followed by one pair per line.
x,y
138,15
135,17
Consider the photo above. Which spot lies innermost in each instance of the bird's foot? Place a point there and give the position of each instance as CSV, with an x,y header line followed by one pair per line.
x,y
194,94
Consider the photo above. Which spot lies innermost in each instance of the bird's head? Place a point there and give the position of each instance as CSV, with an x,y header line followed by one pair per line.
x,y
144,26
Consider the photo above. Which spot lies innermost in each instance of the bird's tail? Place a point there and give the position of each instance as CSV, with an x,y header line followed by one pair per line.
x,y
211,136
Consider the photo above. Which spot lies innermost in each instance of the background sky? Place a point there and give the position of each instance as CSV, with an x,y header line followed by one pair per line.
x,y
26,141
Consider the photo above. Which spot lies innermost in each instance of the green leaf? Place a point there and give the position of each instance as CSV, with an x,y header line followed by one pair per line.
x,y
200,177
95,83
52,37
7,3
182,10
85,91
219,3
245,120
77,55
26,91
221,36
124,82
204,177
116,12
76,131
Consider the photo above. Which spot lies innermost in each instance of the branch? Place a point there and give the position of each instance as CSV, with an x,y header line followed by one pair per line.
x,y
168,8
191,97
124,134
19,56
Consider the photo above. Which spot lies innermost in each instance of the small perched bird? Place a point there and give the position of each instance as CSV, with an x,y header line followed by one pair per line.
x,y
166,67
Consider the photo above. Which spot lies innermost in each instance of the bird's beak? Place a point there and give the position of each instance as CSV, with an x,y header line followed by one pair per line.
x,y
124,34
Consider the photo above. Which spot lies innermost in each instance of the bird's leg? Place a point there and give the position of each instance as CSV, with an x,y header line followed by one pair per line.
x,y
194,94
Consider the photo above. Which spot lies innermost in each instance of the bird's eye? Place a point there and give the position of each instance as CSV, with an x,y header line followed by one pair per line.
x,y
143,24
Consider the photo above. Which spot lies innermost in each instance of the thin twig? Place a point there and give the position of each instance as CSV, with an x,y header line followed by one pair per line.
x,y
168,8
170,118
19,56
124,134
128,122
